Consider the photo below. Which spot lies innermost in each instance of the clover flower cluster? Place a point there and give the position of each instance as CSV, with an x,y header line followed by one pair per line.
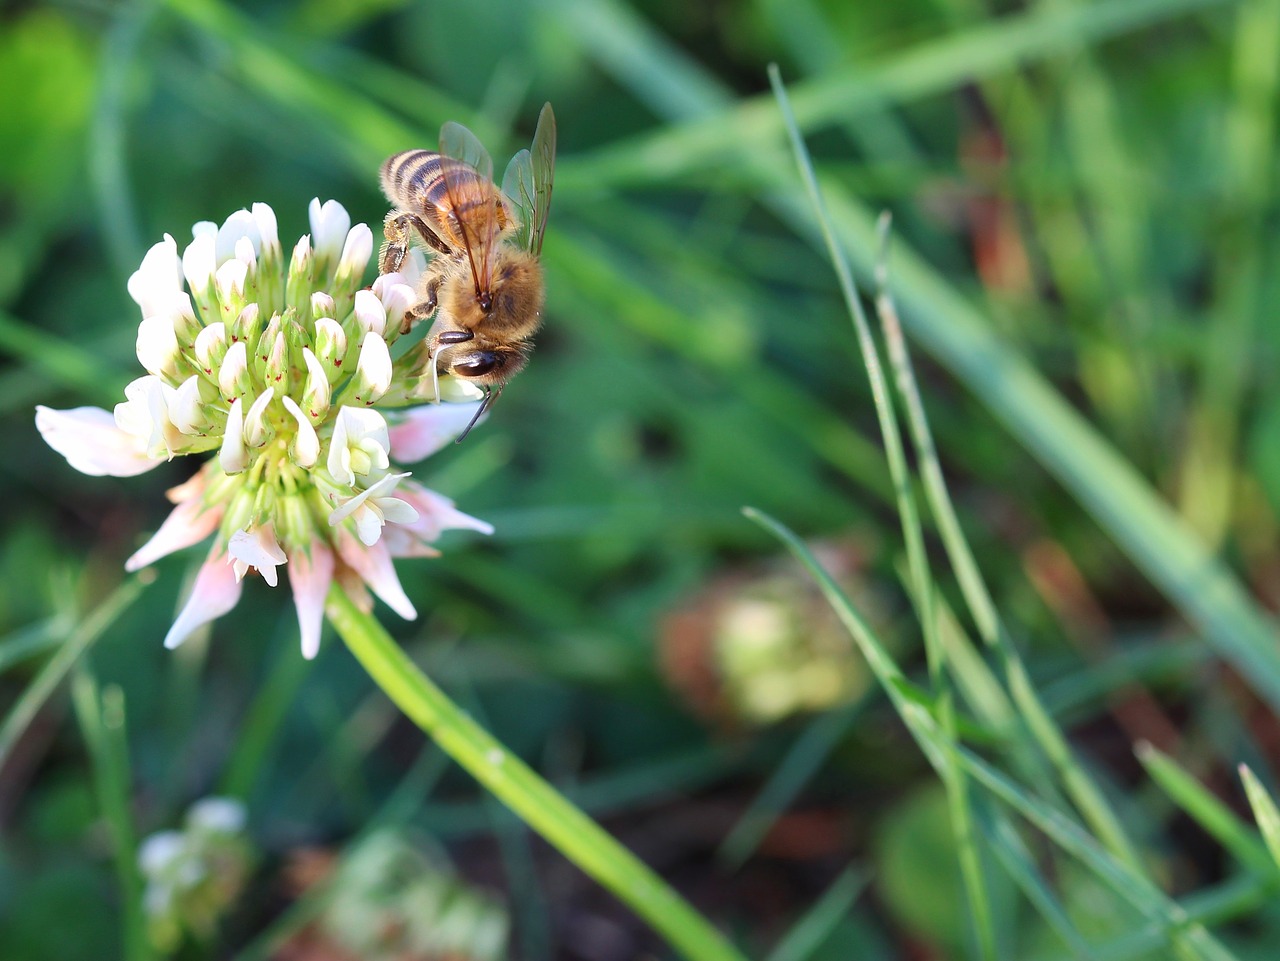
x,y
277,369
194,875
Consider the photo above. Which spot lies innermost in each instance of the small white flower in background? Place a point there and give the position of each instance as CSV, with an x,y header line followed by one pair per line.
x,y
195,874
274,369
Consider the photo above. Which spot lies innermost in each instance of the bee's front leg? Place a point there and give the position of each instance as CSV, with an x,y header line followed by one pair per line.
x,y
398,228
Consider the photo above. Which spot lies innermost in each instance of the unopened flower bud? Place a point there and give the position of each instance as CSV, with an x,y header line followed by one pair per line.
x,y
305,449
157,346
248,324
211,346
229,280
246,254
233,457
370,314
356,250
276,367
256,429
396,299
373,370
322,305
302,266
316,394
233,375
329,225
331,343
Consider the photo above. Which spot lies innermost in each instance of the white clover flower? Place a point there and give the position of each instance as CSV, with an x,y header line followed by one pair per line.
x,y
274,368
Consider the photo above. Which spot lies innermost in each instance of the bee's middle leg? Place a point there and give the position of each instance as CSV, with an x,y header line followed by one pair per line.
x,y
423,308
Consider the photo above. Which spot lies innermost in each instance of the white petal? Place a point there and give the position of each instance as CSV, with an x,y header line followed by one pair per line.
x,y
158,851
396,299
200,259
218,814
382,488
265,219
426,429
374,566
185,409
145,415
234,365
300,257
322,305
230,278
360,429
92,443
157,344
317,393
331,341
329,225
155,282
370,314
373,369
356,251
459,390
233,457
306,444
211,346
258,548
396,511
246,254
256,431
214,593
310,577
188,523
241,225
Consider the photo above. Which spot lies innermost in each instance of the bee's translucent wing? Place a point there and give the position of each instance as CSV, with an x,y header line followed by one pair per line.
x,y
544,165
475,213
517,186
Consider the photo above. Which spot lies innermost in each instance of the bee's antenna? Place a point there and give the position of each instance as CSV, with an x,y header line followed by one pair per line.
x,y
490,396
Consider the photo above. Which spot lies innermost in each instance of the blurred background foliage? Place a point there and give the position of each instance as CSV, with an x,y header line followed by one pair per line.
x,y
1096,179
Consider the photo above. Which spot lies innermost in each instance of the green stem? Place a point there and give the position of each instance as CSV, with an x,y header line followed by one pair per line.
x,y
512,782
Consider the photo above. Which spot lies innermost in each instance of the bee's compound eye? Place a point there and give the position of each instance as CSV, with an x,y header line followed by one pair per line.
x,y
476,365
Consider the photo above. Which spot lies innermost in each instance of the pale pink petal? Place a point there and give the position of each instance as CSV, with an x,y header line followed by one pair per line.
x,y
424,430
92,443
374,566
259,549
310,574
215,592
436,513
188,523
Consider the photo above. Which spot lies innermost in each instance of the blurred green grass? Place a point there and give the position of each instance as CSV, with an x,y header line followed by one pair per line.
x,y
1090,188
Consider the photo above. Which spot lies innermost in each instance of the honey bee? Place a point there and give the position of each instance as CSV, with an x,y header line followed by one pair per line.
x,y
483,282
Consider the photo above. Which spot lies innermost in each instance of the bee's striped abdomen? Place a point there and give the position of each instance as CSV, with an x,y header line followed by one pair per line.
x,y
416,179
